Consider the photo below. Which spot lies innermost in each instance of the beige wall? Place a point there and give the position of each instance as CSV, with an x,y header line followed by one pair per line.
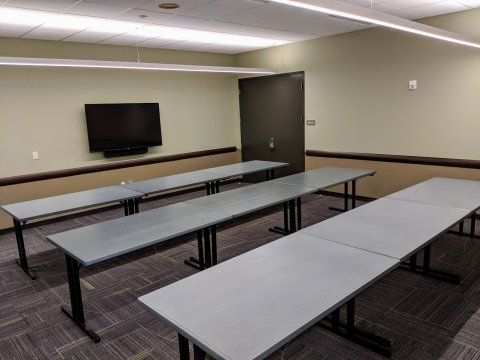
x,y
42,109
357,90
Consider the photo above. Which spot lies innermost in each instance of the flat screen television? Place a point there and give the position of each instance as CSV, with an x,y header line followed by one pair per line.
x,y
117,127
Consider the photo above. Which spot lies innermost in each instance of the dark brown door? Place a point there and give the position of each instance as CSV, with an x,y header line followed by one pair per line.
x,y
272,121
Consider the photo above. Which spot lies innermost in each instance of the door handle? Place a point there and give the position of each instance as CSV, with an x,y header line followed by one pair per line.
x,y
271,143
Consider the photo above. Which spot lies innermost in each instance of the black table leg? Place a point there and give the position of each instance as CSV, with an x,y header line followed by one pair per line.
x,y
361,337
208,188
77,315
217,186
131,206
198,354
200,262
299,213
351,317
426,270
125,207
472,224
335,320
413,262
22,254
183,347
213,231
354,194
136,203
345,199
460,232
293,220
285,230
267,174
272,174
207,249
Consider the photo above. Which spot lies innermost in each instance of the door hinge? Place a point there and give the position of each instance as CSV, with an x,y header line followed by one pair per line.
x,y
301,86
301,119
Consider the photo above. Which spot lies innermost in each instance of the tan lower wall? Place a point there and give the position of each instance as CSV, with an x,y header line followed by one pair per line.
x,y
39,189
390,177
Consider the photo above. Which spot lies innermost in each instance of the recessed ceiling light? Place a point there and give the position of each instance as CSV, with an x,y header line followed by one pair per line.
x,y
169,6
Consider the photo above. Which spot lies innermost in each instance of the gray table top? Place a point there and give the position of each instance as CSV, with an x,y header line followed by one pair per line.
x,y
455,193
249,306
251,198
244,168
171,182
53,205
388,227
102,241
325,177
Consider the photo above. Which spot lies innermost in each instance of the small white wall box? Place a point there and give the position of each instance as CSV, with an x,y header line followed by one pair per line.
x,y
412,85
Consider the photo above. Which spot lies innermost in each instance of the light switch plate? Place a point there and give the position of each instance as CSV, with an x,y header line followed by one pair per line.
x,y
310,122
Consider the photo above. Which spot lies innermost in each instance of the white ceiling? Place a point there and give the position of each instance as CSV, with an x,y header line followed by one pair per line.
x,y
243,25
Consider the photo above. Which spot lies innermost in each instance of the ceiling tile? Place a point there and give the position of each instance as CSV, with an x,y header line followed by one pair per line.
x,y
90,36
257,14
14,30
94,9
48,34
362,3
407,14
384,7
209,11
408,4
122,3
236,4
439,8
470,3
157,42
23,17
46,5
187,22
185,5
154,17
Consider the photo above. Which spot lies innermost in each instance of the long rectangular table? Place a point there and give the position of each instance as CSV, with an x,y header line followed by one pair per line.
x,y
34,209
128,194
251,305
446,192
95,243
394,228
329,176
211,177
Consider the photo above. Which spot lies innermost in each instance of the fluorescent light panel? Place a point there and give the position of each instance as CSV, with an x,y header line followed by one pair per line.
x,y
99,64
358,13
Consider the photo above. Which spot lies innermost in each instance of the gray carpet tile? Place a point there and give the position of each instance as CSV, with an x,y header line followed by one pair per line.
x,y
424,318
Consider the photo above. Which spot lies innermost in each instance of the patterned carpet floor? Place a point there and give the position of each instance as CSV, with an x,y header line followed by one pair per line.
x,y
424,318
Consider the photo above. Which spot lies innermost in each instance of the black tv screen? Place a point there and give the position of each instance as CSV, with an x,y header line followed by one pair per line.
x,y
123,126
